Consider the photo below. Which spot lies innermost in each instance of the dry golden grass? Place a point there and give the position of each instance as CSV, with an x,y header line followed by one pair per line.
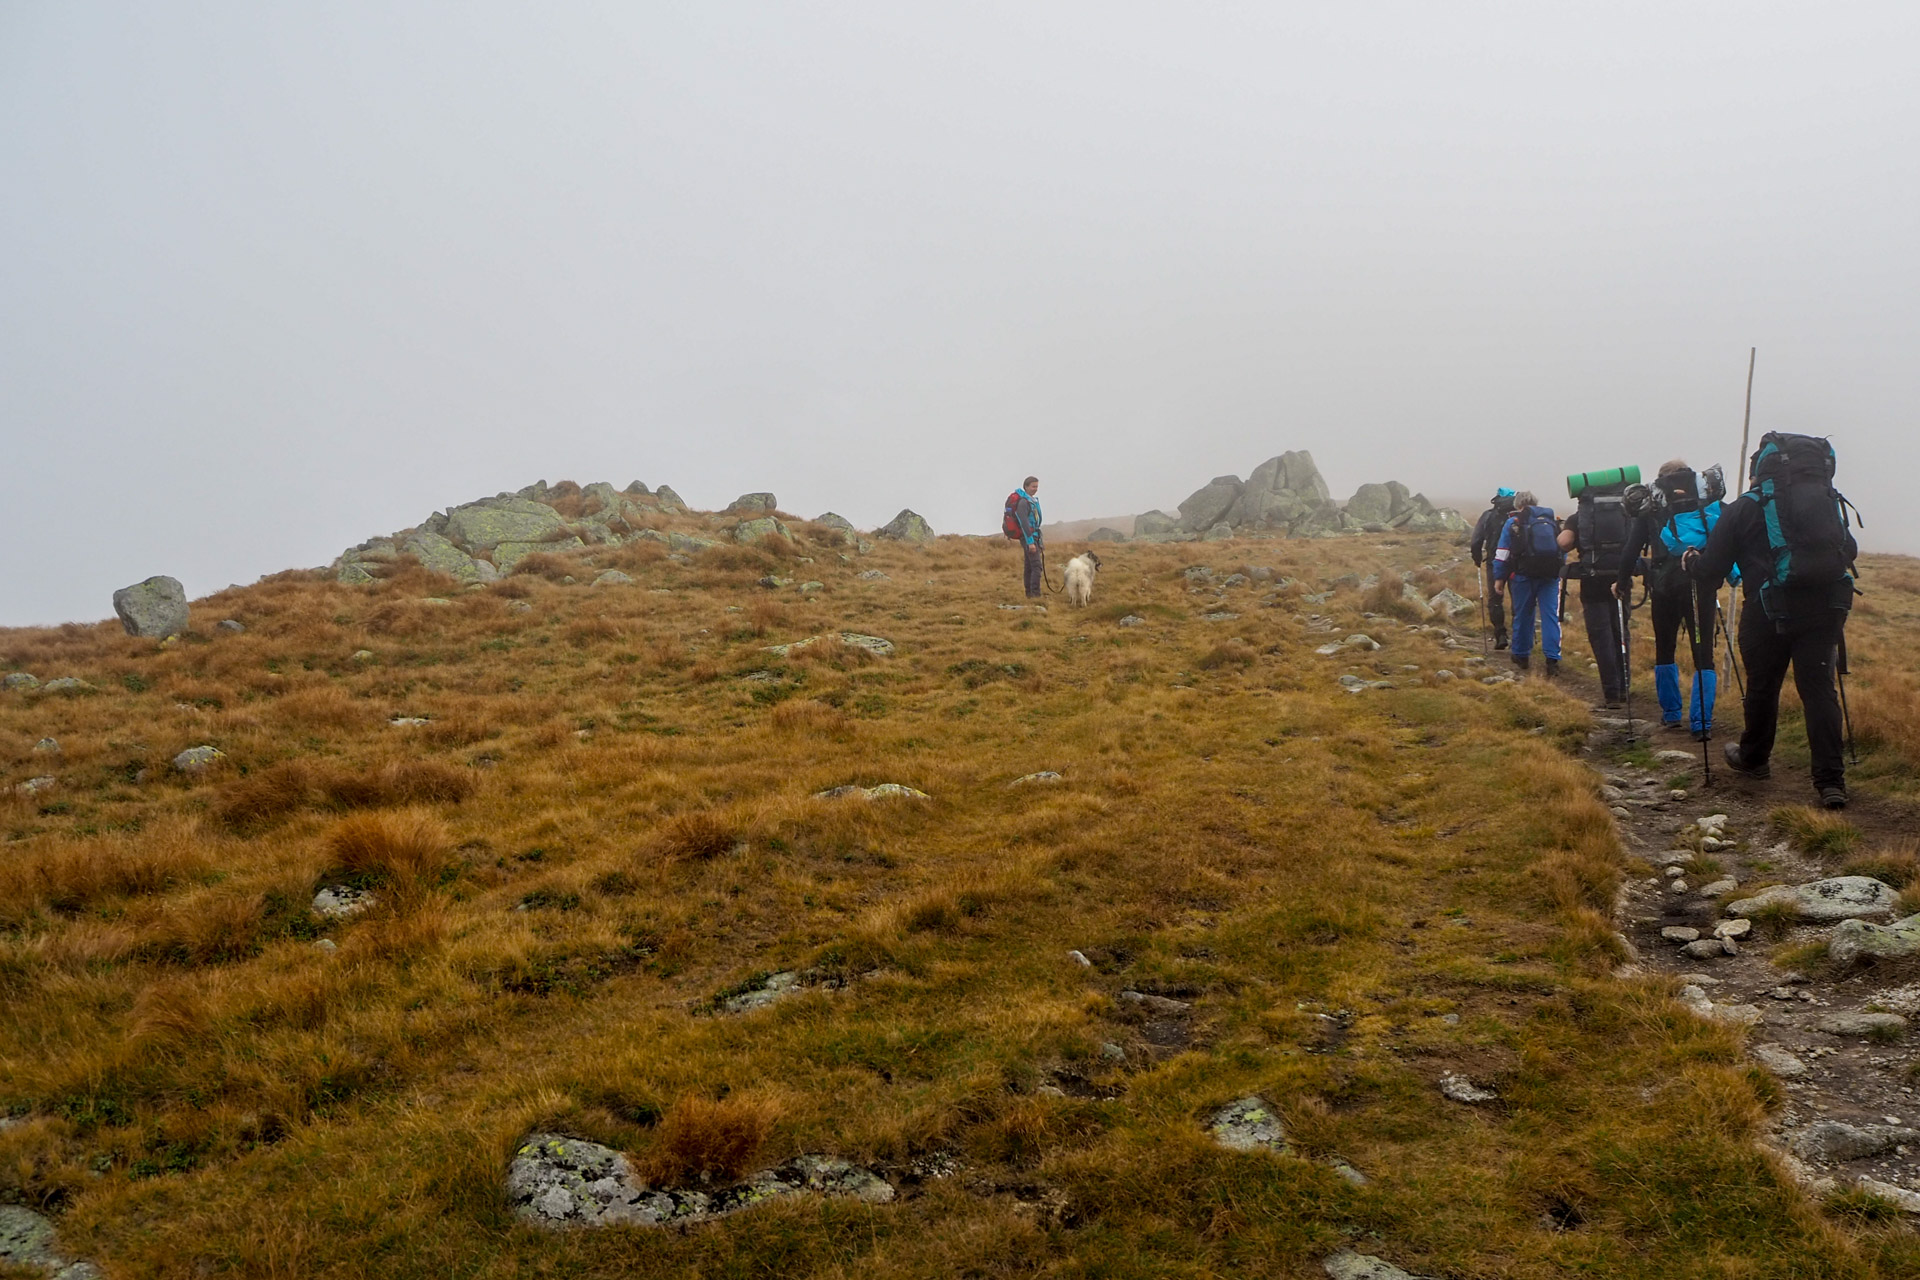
x,y
609,819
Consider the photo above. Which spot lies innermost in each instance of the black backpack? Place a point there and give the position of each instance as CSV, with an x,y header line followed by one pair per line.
x,y
1534,543
1806,519
1600,523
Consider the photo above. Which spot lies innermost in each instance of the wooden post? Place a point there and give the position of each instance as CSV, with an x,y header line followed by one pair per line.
x,y
1746,424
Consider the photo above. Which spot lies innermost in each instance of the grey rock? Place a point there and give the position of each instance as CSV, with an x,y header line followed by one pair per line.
x,y
1351,1174
668,499
34,786
880,648
1045,775
1679,933
1726,884
1862,1024
832,520
881,792
1080,958
1837,898
339,901
1250,1124
198,759
1908,1201
908,526
29,1240
46,747
439,555
1206,506
156,608
1701,1005
1154,524
1834,1141
1450,602
872,575
1733,929
1153,1003
1857,940
1112,1052
1710,949
613,578
762,528
1371,503
231,626
753,504
1457,1088
480,527
687,543
354,574
1105,534
1132,620
1220,532
326,945
777,986
19,680
1778,1060
1348,1265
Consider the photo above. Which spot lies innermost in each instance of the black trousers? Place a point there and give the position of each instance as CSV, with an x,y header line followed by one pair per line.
x,y
1808,643
1602,614
1032,559
1670,609
1496,606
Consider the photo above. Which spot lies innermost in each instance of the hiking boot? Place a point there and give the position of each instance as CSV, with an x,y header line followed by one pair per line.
x,y
1553,668
1524,661
1833,797
1734,762
1675,725
1500,642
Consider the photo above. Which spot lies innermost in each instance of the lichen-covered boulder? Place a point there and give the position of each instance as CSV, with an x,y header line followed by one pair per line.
x,y
1251,1124
1836,898
687,543
198,759
156,607
1205,506
1857,940
508,554
1371,504
753,504
479,527
908,526
439,555
668,499
28,1240
833,520
20,680
762,528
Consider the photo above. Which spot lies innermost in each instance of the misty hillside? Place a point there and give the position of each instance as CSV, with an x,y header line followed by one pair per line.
x,y
817,906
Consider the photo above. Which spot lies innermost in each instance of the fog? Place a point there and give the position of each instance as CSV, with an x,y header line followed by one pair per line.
x,y
277,278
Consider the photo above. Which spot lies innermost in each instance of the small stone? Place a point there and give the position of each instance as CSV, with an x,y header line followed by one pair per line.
x,y
339,901
1113,1052
366,655
325,944
1045,775
19,680
1733,929
198,759
1676,871
1351,1174
1158,1004
65,684
407,722
1782,993
1679,933
1132,620
1051,1091
1718,887
1457,1088
230,626
1908,1201
1862,1024
1080,959
1778,1060
34,786
1710,949
613,578
1833,1141
1676,886
514,606
1248,1125
46,747
1348,1265
1450,1019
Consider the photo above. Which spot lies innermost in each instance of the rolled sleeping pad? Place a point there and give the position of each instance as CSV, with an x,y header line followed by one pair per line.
x,y
1615,478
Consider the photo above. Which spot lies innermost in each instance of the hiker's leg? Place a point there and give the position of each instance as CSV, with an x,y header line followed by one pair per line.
x,y
1767,655
1525,598
1603,635
1706,680
1496,612
1665,609
1813,643
1032,572
1550,618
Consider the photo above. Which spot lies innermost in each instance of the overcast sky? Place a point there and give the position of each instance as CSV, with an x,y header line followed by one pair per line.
x,y
275,278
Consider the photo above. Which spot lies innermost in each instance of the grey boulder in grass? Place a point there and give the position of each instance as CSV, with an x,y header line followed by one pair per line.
x,y
156,607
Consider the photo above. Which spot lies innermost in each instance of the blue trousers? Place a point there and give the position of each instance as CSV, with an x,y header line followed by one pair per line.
x,y
1531,595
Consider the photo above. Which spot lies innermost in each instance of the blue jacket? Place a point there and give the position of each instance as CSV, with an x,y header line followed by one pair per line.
x,y
1026,510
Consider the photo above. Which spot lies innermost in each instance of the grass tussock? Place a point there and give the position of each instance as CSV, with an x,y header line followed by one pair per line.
x,y
404,849
291,785
697,837
1897,864
703,1141
1812,831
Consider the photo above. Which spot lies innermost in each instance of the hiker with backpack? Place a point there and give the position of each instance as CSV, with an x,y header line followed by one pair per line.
x,y
1790,536
1678,511
1598,531
1528,558
1486,536
1020,522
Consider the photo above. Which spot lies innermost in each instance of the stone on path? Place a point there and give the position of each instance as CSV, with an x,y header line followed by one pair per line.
x,y
1248,1125
1457,1088
155,608
1834,1141
1778,1060
1837,898
1909,1201
1697,1000
1856,940
1862,1024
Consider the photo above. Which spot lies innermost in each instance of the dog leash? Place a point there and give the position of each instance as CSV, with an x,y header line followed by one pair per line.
x,y
1047,582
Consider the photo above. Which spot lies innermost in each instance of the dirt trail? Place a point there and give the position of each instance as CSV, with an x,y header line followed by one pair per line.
x,y
1866,1081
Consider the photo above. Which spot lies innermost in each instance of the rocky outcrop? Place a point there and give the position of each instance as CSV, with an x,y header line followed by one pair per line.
x,y
1206,505
753,504
1287,496
156,607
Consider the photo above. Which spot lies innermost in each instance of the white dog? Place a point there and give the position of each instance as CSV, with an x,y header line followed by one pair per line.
x,y
1079,578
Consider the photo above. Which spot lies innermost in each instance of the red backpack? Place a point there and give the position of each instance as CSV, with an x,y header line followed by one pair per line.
x,y
1010,519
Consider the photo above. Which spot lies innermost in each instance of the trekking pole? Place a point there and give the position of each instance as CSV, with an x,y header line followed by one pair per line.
x,y
1626,659
1846,714
1699,685
1746,423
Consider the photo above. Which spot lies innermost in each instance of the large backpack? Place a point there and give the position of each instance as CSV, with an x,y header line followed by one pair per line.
x,y
1534,543
1010,519
1806,519
1601,524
